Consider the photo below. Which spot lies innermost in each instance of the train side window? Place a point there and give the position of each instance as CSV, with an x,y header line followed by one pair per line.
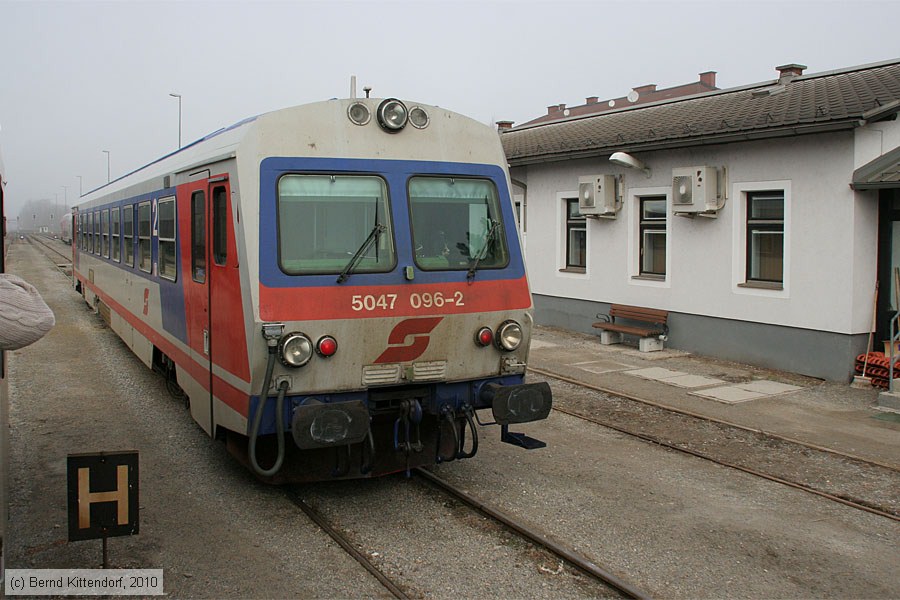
x,y
198,236
144,258
104,230
96,232
83,233
116,238
168,266
220,225
128,233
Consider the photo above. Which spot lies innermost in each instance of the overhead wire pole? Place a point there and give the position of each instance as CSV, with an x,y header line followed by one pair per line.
x,y
107,165
179,117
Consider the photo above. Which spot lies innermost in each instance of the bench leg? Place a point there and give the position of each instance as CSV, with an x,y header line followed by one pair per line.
x,y
608,338
650,344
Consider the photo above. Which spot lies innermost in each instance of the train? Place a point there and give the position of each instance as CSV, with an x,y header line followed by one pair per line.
x,y
338,289
65,228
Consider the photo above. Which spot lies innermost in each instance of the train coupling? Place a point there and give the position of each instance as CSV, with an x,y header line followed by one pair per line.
x,y
519,403
320,425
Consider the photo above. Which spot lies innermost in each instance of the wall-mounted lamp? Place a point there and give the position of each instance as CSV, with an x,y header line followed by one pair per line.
x,y
626,160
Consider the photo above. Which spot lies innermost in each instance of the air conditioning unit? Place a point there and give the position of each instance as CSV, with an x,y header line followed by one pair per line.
x,y
695,190
597,196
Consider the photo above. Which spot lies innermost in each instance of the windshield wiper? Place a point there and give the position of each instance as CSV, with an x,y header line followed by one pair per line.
x,y
488,239
373,237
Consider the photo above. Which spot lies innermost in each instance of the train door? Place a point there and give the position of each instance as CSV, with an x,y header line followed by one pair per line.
x,y
209,216
198,305
221,319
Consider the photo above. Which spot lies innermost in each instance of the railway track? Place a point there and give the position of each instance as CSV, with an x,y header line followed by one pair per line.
x,y
840,485
51,249
525,531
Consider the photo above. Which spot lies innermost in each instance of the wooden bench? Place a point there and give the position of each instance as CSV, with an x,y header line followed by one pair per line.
x,y
652,332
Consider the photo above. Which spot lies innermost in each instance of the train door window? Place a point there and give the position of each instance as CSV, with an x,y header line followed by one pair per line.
x,y
325,220
96,232
456,223
198,236
128,233
220,225
167,263
115,225
104,231
144,257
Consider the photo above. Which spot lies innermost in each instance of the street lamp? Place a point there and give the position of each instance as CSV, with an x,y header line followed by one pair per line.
x,y
107,164
179,117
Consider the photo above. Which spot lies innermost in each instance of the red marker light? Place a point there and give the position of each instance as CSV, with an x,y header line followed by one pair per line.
x,y
327,346
484,337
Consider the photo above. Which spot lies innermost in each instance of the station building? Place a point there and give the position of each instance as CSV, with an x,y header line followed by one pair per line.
x,y
760,217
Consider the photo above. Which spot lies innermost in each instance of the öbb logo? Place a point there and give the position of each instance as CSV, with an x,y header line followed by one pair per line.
x,y
419,329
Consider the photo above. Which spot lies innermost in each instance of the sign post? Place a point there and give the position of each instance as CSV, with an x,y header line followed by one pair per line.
x,y
103,496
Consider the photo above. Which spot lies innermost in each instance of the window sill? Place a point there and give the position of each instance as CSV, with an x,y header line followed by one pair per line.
x,y
649,277
761,285
580,270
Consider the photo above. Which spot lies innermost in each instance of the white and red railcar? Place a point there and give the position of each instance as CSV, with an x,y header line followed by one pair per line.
x,y
347,274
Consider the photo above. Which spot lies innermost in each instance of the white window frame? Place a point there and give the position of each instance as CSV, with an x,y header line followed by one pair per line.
x,y
634,237
739,283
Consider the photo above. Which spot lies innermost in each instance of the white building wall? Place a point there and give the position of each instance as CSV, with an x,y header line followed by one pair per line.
x,y
830,236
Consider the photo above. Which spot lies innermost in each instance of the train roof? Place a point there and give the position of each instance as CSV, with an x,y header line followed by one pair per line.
x,y
316,130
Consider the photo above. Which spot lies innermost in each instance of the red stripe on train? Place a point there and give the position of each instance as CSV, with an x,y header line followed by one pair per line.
x,y
408,300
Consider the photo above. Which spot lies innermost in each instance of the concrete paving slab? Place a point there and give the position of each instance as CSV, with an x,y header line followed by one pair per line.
x,y
537,344
768,387
730,394
602,366
693,381
655,373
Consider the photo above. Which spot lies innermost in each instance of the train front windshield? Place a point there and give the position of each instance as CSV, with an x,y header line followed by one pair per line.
x,y
323,220
456,224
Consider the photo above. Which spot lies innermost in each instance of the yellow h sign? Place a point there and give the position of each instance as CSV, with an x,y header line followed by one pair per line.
x,y
86,497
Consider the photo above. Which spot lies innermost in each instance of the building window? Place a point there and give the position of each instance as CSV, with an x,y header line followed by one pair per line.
x,y
765,236
116,231
128,233
167,264
653,236
576,236
144,229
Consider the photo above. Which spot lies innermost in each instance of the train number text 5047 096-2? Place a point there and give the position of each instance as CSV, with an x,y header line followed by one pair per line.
x,y
416,300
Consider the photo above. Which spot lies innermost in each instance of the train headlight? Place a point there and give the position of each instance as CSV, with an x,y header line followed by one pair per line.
x,y
359,113
392,115
295,350
418,117
509,336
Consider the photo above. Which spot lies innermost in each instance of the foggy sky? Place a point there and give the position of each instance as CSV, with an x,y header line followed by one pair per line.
x,y
79,77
